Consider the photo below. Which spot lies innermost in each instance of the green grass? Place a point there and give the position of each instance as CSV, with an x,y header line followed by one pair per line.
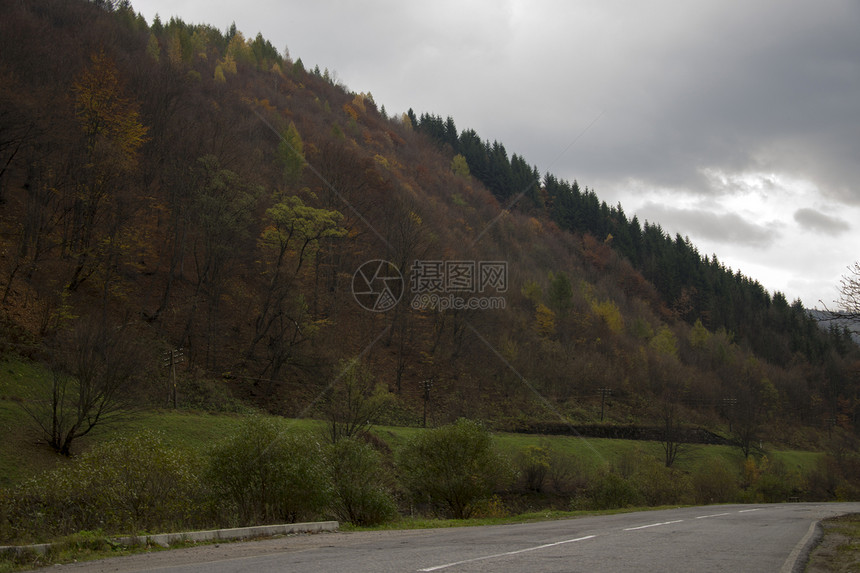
x,y
21,454
80,547
531,517
604,452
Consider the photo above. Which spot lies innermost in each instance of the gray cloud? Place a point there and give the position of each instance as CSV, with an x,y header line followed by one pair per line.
x,y
769,85
818,222
725,228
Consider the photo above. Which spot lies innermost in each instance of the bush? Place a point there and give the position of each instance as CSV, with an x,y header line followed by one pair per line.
x,y
776,483
125,485
714,482
534,465
768,482
567,476
659,485
360,495
453,467
834,479
262,474
609,491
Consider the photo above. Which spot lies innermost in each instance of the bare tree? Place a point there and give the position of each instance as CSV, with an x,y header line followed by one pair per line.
x,y
671,434
90,377
847,308
849,293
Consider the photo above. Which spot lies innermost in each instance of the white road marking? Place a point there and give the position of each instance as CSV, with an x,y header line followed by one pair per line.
x,y
713,515
507,553
653,525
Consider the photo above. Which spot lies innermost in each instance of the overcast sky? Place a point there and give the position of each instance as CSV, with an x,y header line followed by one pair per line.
x,y
734,123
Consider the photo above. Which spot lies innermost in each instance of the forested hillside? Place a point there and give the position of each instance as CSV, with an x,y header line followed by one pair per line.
x,y
169,186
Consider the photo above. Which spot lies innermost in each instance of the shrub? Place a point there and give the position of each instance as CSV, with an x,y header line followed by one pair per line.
x,y
122,486
824,479
834,478
628,462
566,473
659,485
534,465
775,487
776,483
264,474
490,508
609,491
360,495
714,482
453,467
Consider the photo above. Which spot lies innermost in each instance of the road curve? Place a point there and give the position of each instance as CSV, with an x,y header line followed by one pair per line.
x,y
757,538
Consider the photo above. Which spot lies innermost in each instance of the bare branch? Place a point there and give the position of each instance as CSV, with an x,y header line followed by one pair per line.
x,y
88,387
848,304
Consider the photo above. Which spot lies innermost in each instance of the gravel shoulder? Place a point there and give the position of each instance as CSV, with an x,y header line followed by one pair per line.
x,y
839,548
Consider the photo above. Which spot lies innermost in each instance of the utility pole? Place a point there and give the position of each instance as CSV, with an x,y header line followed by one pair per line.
x,y
604,392
729,404
171,359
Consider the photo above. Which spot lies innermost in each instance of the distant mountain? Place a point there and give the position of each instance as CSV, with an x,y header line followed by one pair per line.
x,y
828,319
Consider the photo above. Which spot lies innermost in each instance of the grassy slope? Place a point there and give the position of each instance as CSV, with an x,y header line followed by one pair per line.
x,y
21,455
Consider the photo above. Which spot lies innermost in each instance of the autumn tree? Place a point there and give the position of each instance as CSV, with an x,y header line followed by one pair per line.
x,y
460,166
756,396
112,136
290,154
282,321
222,218
408,240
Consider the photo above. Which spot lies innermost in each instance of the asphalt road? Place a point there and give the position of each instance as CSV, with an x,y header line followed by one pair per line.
x,y
735,538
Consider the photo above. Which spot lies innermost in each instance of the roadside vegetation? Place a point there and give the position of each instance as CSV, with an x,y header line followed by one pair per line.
x,y
182,470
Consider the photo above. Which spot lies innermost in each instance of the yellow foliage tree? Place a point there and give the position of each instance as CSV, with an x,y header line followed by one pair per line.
x,y
608,311
545,321
109,119
350,110
358,103
699,335
174,49
459,166
152,48
220,78
665,342
238,50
